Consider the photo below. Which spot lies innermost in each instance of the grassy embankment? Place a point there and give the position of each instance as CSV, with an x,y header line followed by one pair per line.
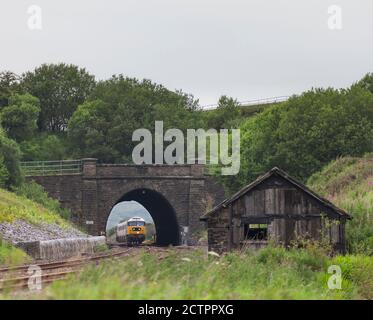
x,y
9,255
348,183
272,273
19,206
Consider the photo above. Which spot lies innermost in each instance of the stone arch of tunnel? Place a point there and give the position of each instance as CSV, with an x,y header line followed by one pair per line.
x,y
163,214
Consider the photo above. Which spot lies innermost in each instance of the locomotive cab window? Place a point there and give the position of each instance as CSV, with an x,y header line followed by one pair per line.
x,y
256,231
136,223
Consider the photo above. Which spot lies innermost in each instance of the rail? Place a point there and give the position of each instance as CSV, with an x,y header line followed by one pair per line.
x,y
16,278
256,102
45,168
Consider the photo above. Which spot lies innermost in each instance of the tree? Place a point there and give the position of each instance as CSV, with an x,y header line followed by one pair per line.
x,y
225,116
19,118
9,83
44,146
366,82
103,126
60,89
4,173
9,162
306,133
89,131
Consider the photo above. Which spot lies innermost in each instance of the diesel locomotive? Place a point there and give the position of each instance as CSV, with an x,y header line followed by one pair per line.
x,y
131,231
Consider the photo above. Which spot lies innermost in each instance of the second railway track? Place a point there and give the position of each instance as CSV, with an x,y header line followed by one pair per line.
x,y
17,277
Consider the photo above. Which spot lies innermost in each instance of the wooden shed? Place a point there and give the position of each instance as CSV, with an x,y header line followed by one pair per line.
x,y
278,207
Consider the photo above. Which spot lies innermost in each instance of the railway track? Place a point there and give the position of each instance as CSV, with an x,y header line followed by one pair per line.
x,y
13,278
17,277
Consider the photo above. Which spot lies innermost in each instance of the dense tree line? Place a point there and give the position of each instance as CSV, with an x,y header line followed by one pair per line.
x,y
307,132
102,127
60,111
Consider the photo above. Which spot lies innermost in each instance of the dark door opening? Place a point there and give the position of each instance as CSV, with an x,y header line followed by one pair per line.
x,y
256,231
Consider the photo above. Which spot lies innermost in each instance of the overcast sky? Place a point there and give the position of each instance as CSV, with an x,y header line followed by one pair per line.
x,y
125,210
246,49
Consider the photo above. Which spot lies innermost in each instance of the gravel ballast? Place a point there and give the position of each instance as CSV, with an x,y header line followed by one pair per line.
x,y
22,231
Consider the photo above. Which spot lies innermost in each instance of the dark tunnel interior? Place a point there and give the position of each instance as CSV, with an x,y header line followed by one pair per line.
x,y
164,217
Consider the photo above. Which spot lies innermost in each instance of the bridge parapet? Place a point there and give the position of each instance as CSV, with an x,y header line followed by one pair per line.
x,y
89,167
132,170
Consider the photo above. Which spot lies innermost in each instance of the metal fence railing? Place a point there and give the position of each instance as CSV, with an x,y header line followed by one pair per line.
x,y
43,168
256,102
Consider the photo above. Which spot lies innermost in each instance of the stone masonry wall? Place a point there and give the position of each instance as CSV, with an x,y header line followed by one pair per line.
x,y
92,194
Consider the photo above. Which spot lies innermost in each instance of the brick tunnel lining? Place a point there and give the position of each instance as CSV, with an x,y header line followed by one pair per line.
x,y
164,216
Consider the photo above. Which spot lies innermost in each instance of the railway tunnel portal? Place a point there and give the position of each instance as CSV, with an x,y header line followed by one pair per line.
x,y
175,195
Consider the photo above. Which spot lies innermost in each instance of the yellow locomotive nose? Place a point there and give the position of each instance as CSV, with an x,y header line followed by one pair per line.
x,y
136,230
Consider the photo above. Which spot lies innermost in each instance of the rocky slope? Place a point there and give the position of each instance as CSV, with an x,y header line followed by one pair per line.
x,y
20,231
24,220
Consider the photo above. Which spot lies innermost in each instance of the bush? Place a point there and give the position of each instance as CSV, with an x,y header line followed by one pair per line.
x,y
9,164
348,183
35,192
44,147
19,118
4,173
359,270
10,255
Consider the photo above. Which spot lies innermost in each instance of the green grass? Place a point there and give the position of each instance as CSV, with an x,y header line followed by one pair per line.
x,y
348,183
15,207
9,255
35,192
272,273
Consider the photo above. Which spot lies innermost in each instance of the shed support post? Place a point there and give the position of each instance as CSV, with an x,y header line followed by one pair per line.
x,y
230,227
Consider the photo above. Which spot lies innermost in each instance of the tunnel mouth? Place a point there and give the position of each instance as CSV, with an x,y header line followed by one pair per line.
x,y
164,216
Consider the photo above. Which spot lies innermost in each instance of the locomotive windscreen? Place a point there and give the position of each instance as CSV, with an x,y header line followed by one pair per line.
x,y
136,223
